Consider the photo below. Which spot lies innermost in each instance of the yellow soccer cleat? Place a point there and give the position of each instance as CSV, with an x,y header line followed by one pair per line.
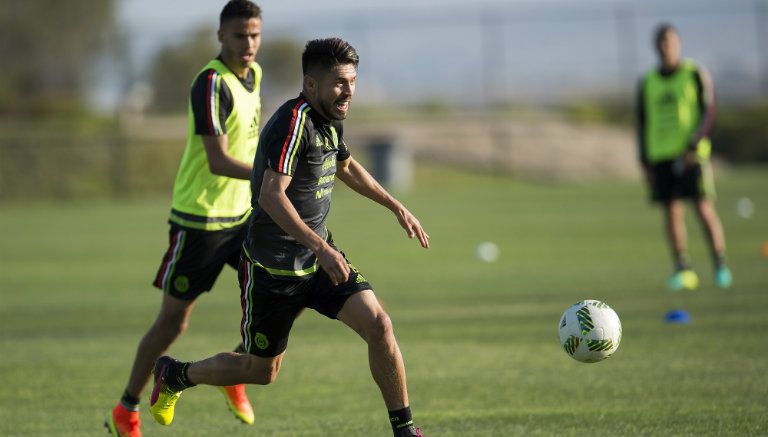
x,y
163,399
238,402
683,280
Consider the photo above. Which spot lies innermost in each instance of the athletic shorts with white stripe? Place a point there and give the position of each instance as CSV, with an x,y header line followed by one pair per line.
x,y
271,304
195,258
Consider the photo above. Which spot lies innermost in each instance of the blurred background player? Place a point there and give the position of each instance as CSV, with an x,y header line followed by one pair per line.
x,y
676,111
211,201
289,260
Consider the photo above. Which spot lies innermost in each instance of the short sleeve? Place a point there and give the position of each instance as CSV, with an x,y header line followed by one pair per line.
x,y
211,102
287,140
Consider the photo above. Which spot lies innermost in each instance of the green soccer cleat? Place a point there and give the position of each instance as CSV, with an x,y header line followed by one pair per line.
x,y
163,399
723,277
683,280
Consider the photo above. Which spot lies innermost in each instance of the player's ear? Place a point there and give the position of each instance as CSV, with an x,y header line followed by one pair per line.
x,y
310,84
220,35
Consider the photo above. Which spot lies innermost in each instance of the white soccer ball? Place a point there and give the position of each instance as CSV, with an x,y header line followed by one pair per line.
x,y
590,331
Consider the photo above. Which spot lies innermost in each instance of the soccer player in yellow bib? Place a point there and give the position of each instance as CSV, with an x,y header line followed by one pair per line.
x,y
676,111
211,202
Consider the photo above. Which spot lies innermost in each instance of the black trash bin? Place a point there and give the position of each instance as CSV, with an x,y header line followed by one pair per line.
x,y
391,164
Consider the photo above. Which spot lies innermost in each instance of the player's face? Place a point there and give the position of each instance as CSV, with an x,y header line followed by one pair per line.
x,y
669,48
240,39
333,91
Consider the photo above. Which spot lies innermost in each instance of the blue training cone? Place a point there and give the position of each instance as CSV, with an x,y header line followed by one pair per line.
x,y
677,316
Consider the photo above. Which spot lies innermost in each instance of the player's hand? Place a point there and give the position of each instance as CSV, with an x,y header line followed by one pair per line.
x,y
333,262
412,227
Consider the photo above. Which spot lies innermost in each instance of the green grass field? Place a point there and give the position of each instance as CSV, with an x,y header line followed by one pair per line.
x,y
479,339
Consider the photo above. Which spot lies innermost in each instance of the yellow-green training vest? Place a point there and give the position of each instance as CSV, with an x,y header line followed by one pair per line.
x,y
201,199
673,113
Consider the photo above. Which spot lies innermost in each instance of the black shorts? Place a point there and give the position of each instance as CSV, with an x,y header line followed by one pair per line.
x,y
271,304
671,181
195,258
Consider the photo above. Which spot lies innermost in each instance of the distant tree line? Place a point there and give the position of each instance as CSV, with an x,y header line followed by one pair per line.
x,y
740,133
175,66
48,50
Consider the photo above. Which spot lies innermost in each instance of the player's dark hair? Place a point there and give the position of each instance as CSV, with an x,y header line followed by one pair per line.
x,y
327,53
239,9
661,30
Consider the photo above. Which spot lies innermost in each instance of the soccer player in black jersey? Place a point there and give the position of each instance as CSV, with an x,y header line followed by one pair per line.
x,y
289,261
211,202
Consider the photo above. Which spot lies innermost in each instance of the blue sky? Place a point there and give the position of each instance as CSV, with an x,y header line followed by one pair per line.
x,y
473,52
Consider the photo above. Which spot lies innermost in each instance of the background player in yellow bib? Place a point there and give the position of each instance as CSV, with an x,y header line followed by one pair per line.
x,y
211,201
676,111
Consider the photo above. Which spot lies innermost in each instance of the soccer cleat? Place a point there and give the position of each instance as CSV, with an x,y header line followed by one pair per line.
x,y
163,399
238,402
410,431
123,423
723,277
683,280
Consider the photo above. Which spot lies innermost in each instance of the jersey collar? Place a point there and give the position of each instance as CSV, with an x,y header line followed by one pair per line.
x,y
316,117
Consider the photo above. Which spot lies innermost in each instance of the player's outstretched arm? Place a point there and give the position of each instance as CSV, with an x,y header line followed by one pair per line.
x,y
274,202
220,162
357,177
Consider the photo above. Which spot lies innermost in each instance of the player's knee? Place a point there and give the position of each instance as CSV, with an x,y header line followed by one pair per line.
x,y
705,208
263,373
379,328
266,376
178,326
171,327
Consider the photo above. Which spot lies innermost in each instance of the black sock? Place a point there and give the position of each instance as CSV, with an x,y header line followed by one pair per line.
x,y
681,262
718,259
400,419
129,402
176,376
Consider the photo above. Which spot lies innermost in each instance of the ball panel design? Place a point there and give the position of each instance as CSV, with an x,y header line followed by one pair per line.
x,y
590,331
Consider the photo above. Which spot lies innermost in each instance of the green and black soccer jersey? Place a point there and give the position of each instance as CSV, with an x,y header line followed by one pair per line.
x,y
220,104
297,141
675,113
